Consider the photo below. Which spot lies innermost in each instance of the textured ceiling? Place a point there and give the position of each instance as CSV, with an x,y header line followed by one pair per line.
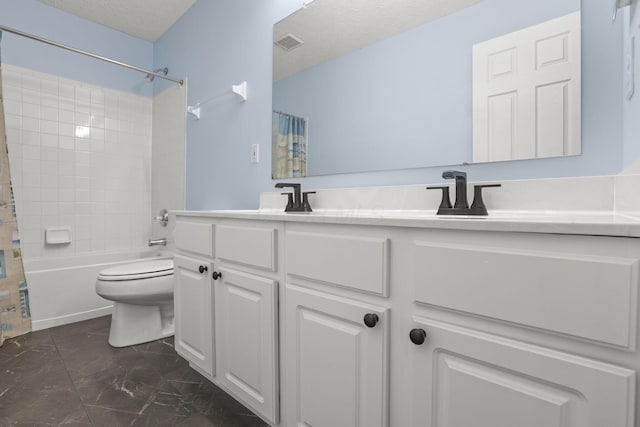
x,y
330,28
144,19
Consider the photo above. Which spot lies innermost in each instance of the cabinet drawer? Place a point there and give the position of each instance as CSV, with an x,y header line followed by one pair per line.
x,y
252,246
357,262
195,237
584,295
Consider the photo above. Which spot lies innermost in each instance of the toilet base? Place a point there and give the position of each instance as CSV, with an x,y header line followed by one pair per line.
x,y
136,324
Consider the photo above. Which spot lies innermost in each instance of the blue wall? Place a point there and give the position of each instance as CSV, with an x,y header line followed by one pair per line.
x,y
405,101
218,43
38,19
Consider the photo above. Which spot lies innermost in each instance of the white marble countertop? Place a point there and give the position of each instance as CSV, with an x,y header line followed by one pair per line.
x,y
556,222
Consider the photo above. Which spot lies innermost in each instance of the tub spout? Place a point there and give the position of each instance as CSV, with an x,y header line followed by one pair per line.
x,y
158,242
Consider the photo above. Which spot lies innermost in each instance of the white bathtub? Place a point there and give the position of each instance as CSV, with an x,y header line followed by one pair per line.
x,y
62,290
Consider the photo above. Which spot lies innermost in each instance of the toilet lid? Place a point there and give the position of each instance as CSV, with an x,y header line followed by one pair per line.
x,y
138,270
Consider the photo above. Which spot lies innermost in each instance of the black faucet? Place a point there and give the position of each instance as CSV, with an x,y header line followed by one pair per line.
x,y
297,203
461,206
461,188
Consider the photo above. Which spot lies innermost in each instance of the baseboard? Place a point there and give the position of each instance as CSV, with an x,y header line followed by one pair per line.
x,y
51,322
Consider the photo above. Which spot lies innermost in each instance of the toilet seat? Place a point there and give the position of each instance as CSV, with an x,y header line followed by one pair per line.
x,y
138,270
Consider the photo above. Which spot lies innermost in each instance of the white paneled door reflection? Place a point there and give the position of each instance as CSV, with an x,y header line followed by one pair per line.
x,y
526,92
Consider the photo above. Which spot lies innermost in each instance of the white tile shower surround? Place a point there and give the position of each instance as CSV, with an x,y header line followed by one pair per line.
x,y
80,157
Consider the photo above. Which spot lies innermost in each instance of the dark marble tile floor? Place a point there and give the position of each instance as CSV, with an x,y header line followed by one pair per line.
x,y
70,376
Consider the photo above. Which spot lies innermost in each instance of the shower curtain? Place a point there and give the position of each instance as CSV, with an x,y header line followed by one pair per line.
x,y
15,318
290,150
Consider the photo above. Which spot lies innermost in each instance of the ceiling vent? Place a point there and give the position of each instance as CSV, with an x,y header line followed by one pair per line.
x,y
289,42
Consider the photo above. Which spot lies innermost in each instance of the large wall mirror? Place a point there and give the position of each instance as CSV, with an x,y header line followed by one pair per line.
x,y
368,85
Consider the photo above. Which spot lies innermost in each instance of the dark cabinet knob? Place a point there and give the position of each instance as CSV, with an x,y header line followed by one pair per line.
x,y
371,319
417,336
216,275
202,269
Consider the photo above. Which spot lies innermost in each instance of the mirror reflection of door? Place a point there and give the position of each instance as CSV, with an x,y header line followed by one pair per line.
x,y
526,93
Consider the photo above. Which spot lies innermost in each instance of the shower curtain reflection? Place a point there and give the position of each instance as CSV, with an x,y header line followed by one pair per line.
x,y
290,148
15,317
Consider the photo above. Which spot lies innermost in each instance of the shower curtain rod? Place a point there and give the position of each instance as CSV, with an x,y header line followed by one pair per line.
x,y
92,55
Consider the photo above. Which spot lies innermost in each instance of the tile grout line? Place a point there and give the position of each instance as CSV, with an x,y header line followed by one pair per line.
x,y
73,383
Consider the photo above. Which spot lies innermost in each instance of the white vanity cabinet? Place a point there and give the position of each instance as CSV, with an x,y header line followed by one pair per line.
x,y
193,308
193,298
246,313
485,309
464,377
226,300
337,346
523,329
325,322
337,364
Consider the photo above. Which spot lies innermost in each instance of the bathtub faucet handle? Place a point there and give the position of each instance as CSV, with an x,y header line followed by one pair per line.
x,y
163,217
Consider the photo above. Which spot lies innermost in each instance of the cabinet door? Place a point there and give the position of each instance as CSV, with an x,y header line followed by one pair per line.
x,y
193,306
464,377
246,334
336,365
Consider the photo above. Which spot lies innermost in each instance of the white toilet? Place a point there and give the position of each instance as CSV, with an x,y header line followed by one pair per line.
x,y
142,295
